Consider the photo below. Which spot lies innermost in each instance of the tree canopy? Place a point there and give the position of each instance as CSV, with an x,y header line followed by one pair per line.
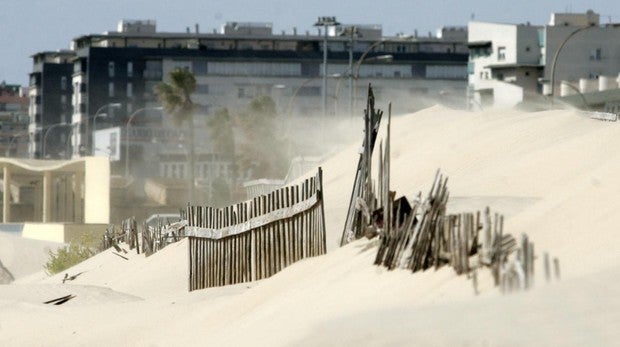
x,y
263,146
176,98
176,95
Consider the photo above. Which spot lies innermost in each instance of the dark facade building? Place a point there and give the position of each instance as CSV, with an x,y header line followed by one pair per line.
x,y
50,107
113,75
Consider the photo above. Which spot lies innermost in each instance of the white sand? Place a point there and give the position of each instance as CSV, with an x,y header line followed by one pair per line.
x,y
22,256
553,174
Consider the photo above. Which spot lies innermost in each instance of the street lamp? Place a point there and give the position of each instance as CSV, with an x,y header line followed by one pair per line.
x,y
325,22
127,134
557,54
13,138
291,101
109,105
352,32
47,133
385,58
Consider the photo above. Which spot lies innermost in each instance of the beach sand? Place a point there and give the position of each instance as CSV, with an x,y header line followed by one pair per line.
x,y
553,174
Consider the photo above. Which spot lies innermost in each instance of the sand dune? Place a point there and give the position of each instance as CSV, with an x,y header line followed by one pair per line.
x,y
553,174
23,257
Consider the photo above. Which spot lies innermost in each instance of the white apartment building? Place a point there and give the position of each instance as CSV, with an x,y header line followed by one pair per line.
x,y
504,63
511,63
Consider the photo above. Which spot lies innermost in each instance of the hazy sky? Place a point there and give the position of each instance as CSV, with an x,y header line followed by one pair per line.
x,y
30,26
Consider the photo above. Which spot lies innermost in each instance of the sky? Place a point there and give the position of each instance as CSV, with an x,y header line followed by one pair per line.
x,y
31,26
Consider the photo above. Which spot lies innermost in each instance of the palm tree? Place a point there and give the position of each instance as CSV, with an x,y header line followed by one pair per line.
x,y
221,133
175,97
222,137
263,152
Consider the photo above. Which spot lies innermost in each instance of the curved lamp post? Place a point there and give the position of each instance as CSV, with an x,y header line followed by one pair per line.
x,y
13,138
385,57
289,107
325,22
352,32
127,133
44,145
557,54
97,114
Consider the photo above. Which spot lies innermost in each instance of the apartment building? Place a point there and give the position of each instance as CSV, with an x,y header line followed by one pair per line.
x,y
113,75
504,62
512,63
50,107
13,120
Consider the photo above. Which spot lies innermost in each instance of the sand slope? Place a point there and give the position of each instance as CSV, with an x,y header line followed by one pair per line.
x,y
553,174
22,256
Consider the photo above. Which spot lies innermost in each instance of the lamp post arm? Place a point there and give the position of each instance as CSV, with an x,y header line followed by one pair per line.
x,y
47,133
359,62
289,107
557,54
127,125
8,149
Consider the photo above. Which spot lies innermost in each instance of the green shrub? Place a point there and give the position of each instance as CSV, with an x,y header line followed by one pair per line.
x,y
67,256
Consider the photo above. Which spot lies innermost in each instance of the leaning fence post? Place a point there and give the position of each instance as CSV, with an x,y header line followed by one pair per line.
x,y
547,268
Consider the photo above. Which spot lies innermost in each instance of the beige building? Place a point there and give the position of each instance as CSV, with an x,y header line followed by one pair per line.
x,y
56,200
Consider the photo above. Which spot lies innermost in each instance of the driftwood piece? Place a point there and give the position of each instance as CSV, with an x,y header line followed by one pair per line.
x,y
61,300
120,255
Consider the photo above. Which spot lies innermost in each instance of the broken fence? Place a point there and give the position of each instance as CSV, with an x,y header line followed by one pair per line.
x,y
257,238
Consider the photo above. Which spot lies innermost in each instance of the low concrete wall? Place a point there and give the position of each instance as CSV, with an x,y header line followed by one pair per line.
x,y
88,234
54,232
65,233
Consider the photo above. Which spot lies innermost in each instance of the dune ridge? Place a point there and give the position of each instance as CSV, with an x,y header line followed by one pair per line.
x,y
553,174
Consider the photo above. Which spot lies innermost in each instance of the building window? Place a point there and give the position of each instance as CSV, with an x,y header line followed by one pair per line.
x,y
111,89
63,83
111,69
501,53
596,54
129,69
241,93
200,67
129,90
202,89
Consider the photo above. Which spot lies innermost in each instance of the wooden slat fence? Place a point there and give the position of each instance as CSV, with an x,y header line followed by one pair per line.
x,y
362,192
428,237
127,233
257,238
422,235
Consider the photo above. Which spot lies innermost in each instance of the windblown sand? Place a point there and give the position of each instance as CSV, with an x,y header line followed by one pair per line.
x,y
555,175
